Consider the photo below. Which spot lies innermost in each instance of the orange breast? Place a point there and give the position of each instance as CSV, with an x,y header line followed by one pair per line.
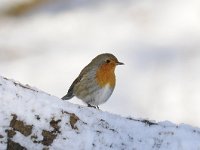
x,y
105,75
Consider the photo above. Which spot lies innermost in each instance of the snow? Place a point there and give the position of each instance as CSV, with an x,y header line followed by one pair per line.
x,y
93,129
157,40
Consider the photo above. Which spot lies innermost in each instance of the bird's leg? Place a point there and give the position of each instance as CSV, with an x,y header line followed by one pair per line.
x,y
96,107
91,106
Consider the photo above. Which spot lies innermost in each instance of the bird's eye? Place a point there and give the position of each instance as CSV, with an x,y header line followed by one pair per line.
x,y
107,61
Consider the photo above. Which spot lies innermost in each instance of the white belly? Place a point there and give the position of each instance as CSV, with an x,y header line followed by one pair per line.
x,y
100,96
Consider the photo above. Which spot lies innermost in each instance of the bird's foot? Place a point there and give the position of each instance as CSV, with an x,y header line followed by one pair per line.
x,y
96,107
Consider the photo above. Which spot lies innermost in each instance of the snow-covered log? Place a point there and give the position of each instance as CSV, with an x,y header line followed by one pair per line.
x,y
32,119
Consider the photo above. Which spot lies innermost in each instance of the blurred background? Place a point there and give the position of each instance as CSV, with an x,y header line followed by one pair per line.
x,y
45,43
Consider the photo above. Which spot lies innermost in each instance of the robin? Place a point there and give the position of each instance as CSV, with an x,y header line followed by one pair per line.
x,y
96,82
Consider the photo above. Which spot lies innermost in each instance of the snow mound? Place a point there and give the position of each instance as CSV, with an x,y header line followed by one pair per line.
x,y
32,119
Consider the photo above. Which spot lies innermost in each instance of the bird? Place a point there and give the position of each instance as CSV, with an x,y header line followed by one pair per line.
x,y
96,82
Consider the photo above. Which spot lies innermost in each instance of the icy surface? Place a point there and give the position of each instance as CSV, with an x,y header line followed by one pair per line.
x,y
92,129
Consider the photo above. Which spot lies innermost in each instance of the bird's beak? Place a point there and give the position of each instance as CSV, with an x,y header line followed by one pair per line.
x,y
120,63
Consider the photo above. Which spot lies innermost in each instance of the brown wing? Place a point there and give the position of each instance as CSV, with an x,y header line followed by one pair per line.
x,y
70,92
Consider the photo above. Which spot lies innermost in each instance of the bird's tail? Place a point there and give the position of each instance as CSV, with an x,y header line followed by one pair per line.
x,y
67,96
70,93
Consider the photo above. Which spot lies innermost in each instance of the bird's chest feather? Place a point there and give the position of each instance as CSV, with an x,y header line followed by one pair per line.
x,y
105,75
102,95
